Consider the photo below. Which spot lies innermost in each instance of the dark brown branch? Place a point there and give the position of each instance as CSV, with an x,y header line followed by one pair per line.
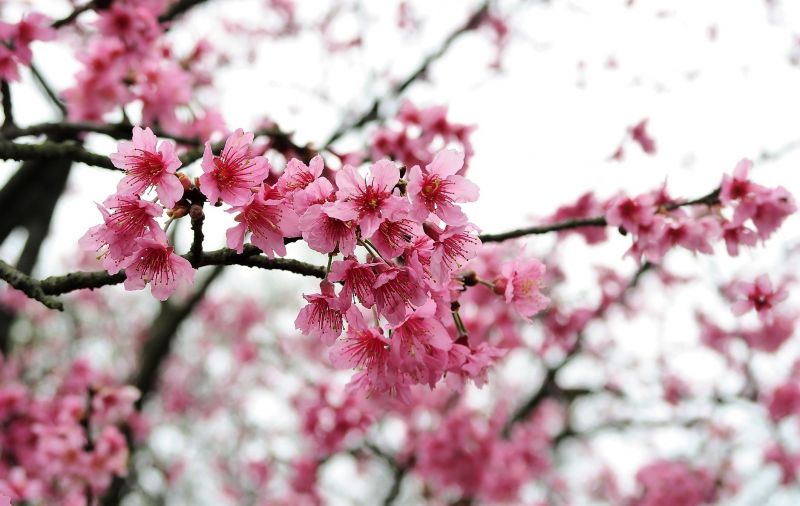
x,y
162,334
549,387
48,90
196,251
115,130
29,286
710,199
250,257
73,15
281,141
157,348
372,113
57,285
179,8
48,150
598,221
8,110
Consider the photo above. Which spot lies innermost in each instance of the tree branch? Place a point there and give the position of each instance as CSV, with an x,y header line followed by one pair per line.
x,y
549,387
710,199
48,150
177,9
115,130
57,285
372,113
73,15
282,141
48,90
156,349
8,110
29,286
196,251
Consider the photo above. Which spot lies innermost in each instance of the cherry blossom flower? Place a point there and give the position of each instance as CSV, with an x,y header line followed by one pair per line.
x,y
8,65
396,290
758,296
786,461
270,220
772,333
738,187
147,167
784,401
772,207
521,283
297,175
233,174
367,349
32,27
130,218
667,483
395,233
358,279
736,235
630,213
134,25
369,198
154,263
437,189
640,135
452,248
325,233
322,316
420,344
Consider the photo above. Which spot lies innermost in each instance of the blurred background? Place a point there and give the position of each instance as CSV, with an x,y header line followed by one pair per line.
x,y
554,90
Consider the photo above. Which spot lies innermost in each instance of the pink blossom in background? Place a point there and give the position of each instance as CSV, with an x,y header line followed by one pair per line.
x,y
758,296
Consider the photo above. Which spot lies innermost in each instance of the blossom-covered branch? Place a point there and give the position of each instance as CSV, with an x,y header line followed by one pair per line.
x,y
56,285
710,199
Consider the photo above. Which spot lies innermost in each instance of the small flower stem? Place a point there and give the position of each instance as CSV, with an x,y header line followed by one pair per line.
x,y
375,315
167,224
373,250
462,331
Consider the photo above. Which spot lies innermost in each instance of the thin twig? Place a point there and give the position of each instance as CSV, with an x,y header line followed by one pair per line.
x,y
48,90
372,112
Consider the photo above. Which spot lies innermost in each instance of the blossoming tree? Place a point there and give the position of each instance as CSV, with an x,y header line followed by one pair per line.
x,y
429,361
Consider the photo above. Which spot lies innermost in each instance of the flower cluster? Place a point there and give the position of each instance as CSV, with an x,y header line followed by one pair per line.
x,y
59,447
129,237
419,135
657,222
412,232
415,238
127,59
469,452
15,43
773,327
667,482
